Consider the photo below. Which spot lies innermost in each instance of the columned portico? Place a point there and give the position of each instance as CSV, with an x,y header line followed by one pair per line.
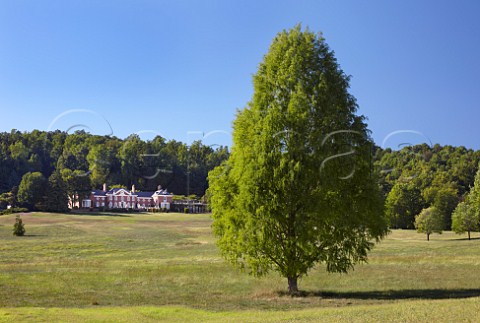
x,y
121,198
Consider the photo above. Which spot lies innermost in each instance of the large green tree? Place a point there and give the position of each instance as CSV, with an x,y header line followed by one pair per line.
x,y
132,156
298,187
403,203
465,219
77,184
442,193
473,197
32,189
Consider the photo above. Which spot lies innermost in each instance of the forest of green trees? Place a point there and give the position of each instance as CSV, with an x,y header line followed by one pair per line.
x,y
418,177
84,161
411,179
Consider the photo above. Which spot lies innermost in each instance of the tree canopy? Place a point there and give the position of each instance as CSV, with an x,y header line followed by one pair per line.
x,y
95,160
429,221
442,175
56,197
465,219
298,187
31,190
403,203
421,176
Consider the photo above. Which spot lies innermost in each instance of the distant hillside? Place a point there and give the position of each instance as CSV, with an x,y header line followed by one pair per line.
x,y
421,176
174,165
411,179
425,165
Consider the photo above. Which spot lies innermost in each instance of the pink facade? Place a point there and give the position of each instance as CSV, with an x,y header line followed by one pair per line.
x,y
120,198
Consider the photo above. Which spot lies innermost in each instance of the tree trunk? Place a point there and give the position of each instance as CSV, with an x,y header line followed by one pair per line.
x,y
468,234
428,236
292,285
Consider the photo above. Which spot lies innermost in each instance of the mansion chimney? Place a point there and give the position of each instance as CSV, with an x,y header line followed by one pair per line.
x,y
159,187
133,188
104,187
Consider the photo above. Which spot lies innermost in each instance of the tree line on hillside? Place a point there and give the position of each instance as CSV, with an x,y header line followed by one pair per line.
x,y
464,218
418,177
35,166
411,179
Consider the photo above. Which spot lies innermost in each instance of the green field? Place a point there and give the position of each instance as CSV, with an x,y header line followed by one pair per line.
x,y
152,267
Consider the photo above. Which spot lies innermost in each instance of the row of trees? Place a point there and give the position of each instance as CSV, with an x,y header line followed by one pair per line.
x,y
465,216
419,177
411,179
81,161
37,192
431,188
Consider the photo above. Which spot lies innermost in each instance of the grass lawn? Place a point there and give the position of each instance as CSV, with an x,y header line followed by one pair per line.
x,y
149,267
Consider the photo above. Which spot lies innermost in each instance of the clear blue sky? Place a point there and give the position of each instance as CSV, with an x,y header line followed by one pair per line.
x,y
177,67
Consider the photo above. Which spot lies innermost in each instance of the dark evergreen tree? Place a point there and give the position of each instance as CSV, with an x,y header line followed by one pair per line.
x,y
56,197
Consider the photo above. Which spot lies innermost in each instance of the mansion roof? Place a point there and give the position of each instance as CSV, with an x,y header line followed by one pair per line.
x,y
116,191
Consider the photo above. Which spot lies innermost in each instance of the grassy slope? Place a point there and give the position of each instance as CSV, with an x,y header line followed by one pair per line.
x,y
69,263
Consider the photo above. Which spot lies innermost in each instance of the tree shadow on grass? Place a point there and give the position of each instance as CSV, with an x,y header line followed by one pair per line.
x,y
392,294
472,238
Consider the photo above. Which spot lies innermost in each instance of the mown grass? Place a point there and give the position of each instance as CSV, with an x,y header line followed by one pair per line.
x,y
100,266
408,311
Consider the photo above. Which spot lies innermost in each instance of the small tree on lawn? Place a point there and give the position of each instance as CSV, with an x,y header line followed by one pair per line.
x,y
464,219
429,221
18,227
